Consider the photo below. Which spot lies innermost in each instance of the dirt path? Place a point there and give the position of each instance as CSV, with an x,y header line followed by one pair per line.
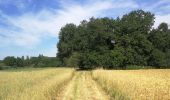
x,y
82,87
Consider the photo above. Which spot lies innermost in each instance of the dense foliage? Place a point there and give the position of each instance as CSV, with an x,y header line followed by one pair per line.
x,y
40,61
115,43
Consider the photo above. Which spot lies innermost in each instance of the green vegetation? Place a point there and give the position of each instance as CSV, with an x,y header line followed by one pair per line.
x,y
115,43
1,65
40,61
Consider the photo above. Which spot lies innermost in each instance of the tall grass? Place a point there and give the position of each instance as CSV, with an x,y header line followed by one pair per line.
x,y
135,84
40,84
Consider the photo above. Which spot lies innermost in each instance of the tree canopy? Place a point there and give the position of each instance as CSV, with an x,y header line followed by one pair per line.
x,y
115,43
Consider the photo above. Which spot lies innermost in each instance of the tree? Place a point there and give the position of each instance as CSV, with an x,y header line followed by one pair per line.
x,y
134,30
65,46
115,43
73,60
27,61
118,58
19,62
9,61
157,58
163,27
138,20
158,39
167,59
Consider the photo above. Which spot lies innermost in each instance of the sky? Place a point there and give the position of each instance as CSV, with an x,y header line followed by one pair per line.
x,y
31,27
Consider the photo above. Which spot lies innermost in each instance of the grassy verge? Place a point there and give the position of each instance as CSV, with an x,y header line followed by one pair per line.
x,y
135,67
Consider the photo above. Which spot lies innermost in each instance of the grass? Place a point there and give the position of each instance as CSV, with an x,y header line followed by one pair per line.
x,y
32,84
153,84
135,67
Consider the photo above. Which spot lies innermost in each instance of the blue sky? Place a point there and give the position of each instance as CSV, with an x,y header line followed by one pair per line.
x,y
31,27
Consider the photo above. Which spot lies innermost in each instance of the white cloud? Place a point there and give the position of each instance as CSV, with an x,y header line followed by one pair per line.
x,y
29,29
47,23
162,18
155,5
51,52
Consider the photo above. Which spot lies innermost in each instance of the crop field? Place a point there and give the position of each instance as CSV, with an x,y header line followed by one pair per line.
x,y
135,84
69,84
82,87
32,84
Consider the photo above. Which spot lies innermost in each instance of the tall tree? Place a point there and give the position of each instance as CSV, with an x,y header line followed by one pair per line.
x,y
115,43
9,61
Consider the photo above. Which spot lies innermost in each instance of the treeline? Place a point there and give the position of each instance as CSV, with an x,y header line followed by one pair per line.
x,y
40,61
115,43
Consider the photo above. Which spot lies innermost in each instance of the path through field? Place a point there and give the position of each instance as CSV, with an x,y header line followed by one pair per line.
x,y
82,87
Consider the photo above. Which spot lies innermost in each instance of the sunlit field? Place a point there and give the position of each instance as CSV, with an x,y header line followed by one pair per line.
x,y
68,84
135,84
32,84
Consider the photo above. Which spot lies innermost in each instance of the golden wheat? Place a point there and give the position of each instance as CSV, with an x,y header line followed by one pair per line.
x,y
39,84
82,87
135,84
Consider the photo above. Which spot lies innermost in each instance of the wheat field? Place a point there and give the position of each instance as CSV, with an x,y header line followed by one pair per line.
x,y
69,84
135,84
82,87
32,84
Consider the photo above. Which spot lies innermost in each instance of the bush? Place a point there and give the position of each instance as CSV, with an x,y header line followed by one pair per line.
x,y
73,60
157,59
135,67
